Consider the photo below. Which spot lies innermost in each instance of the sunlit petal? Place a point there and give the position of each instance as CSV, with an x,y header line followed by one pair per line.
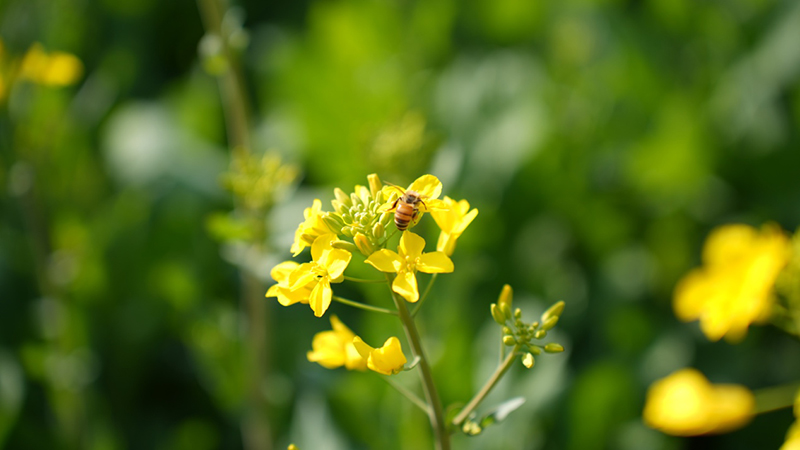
x,y
406,285
385,261
435,262
411,245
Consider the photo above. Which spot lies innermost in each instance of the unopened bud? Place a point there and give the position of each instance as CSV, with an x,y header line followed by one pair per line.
x,y
517,313
506,298
553,311
497,315
550,323
363,244
508,331
342,198
347,231
375,184
344,245
471,428
540,334
334,222
509,340
528,360
378,230
385,218
553,348
534,350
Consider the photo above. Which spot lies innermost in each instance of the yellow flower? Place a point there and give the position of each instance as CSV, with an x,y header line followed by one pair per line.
x,y
686,404
55,69
327,267
453,219
792,438
311,228
734,287
386,360
407,262
335,348
282,273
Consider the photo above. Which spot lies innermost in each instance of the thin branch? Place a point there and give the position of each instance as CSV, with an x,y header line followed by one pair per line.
x,y
491,383
409,395
424,296
362,280
363,306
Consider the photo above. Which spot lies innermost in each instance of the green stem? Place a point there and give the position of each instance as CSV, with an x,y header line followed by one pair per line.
x,y
363,306
412,397
424,296
362,280
777,397
436,415
478,398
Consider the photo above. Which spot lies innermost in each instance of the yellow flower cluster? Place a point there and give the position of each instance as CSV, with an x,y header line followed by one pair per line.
x,y
358,224
686,404
734,287
40,67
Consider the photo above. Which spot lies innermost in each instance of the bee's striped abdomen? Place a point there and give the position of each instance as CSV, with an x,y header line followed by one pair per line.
x,y
404,215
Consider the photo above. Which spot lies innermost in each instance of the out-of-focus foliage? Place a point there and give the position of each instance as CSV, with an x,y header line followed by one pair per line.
x,y
601,141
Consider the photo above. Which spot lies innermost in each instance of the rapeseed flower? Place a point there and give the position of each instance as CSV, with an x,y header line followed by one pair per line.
x,y
686,404
312,227
335,348
386,360
407,261
429,189
734,286
282,273
453,219
327,267
54,69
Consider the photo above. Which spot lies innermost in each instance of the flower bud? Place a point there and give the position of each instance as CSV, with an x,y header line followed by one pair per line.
x,y
509,340
497,315
344,245
553,311
540,334
550,323
342,198
378,230
347,231
552,347
506,298
375,184
528,360
363,244
333,221
508,331
534,350
355,200
385,218
517,313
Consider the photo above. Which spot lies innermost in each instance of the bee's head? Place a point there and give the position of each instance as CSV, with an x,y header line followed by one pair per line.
x,y
411,197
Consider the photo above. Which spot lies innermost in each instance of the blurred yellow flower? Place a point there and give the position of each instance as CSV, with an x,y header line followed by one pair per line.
x,y
327,267
407,262
386,360
686,404
282,273
734,287
792,438
335,348
453,219
54,69
312,227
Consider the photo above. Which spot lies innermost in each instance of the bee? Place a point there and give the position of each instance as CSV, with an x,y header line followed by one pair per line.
x,y
407,207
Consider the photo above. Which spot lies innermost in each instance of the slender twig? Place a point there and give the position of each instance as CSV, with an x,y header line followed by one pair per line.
x,y
777,397
363,306
436,416
409,395
361,280
491,383
424,296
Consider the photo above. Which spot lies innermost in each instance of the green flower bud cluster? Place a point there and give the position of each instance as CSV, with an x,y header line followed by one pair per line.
x,y
518,333
356,216
258,181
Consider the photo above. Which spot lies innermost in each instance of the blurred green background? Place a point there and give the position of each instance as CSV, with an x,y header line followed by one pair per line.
x,y
601,141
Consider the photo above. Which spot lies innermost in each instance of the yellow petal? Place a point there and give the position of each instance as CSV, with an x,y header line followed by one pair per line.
x,y
406,285
321,245
320,298
302,276
327,350
388,359
434,262
411,245
385,261
362,347
281,272
427,186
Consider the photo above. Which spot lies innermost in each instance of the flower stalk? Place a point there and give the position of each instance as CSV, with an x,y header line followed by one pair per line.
x,y
436,413
490,384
